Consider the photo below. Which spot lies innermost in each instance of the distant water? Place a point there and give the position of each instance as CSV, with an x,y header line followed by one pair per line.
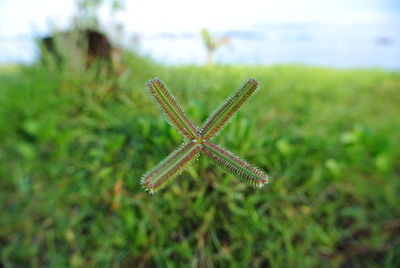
x,y
365,46
336,46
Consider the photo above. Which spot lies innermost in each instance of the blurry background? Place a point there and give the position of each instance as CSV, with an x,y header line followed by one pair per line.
x,y
78,130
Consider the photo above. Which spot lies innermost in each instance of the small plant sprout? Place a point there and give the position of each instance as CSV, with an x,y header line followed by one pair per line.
x,y
199,140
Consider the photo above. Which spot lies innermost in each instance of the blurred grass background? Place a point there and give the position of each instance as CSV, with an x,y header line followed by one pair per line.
x,y
74,145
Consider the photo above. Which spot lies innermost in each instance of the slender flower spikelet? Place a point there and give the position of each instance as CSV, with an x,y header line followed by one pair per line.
x,y
196,142
233,164
170,167
167,104
224,113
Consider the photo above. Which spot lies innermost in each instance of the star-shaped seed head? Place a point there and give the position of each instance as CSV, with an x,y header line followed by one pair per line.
x,y
199,141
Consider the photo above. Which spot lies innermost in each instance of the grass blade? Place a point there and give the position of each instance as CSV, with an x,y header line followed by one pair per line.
x,y
233,164
170,167
225,112
174,113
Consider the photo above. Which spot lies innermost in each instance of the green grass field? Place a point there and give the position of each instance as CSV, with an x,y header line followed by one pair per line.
x,y
73,147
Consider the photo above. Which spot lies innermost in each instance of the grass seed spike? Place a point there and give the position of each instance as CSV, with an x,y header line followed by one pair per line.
x,y
197,141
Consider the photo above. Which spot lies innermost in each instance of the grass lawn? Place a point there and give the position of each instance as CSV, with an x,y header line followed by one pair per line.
x,y
74,145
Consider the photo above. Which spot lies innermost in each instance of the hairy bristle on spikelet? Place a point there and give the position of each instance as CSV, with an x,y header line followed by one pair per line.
x,y
170,167
233,164
174,113
224,113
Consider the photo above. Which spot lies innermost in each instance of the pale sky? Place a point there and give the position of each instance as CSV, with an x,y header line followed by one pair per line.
x,y
23,20
18,17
